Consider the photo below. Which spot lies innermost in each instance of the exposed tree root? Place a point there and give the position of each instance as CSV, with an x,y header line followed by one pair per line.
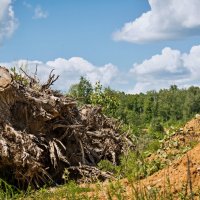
x,y
42,133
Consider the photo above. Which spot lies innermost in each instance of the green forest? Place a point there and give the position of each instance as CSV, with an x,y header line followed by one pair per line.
x,y
152,110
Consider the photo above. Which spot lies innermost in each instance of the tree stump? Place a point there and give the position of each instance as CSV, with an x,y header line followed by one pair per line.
x,y
42,133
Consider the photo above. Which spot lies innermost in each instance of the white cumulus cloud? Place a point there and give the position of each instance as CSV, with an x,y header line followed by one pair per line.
x,y
169,61
192,61
8,22
169,67
69,70
39,13
166,20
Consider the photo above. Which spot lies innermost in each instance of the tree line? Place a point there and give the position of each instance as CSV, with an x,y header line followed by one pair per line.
x,y
153,108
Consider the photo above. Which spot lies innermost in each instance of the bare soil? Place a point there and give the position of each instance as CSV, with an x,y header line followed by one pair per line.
x,y
180,178
178,175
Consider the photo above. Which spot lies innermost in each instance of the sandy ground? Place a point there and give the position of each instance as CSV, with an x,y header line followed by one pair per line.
x,y
181,177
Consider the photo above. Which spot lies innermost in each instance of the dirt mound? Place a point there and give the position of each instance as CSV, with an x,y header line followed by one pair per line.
x,y
182,174
178,180
193,126
42,133
183,171
176,144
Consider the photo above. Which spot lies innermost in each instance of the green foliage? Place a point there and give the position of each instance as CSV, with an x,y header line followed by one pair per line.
x,y
71,191
106,165
116,190
150,111
104,98
86,94
153,146
8,191
166,106
82,90
156,130
18,77
156,126
134,166
74,191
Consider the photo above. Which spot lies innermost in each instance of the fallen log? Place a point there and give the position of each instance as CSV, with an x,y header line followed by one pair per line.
x,y
42,133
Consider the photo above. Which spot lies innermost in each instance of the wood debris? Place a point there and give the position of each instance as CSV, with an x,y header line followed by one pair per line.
x,y
43,132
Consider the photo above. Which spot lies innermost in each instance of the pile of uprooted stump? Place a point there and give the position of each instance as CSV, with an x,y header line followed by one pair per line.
x,y
43,133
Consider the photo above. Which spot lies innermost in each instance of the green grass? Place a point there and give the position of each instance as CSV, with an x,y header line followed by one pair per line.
x,y
71,191
111,190
8,191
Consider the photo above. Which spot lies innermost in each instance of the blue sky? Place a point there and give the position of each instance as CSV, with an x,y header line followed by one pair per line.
x,y
132,45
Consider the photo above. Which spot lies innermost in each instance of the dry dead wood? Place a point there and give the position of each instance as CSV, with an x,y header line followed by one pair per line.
x,y
42,133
